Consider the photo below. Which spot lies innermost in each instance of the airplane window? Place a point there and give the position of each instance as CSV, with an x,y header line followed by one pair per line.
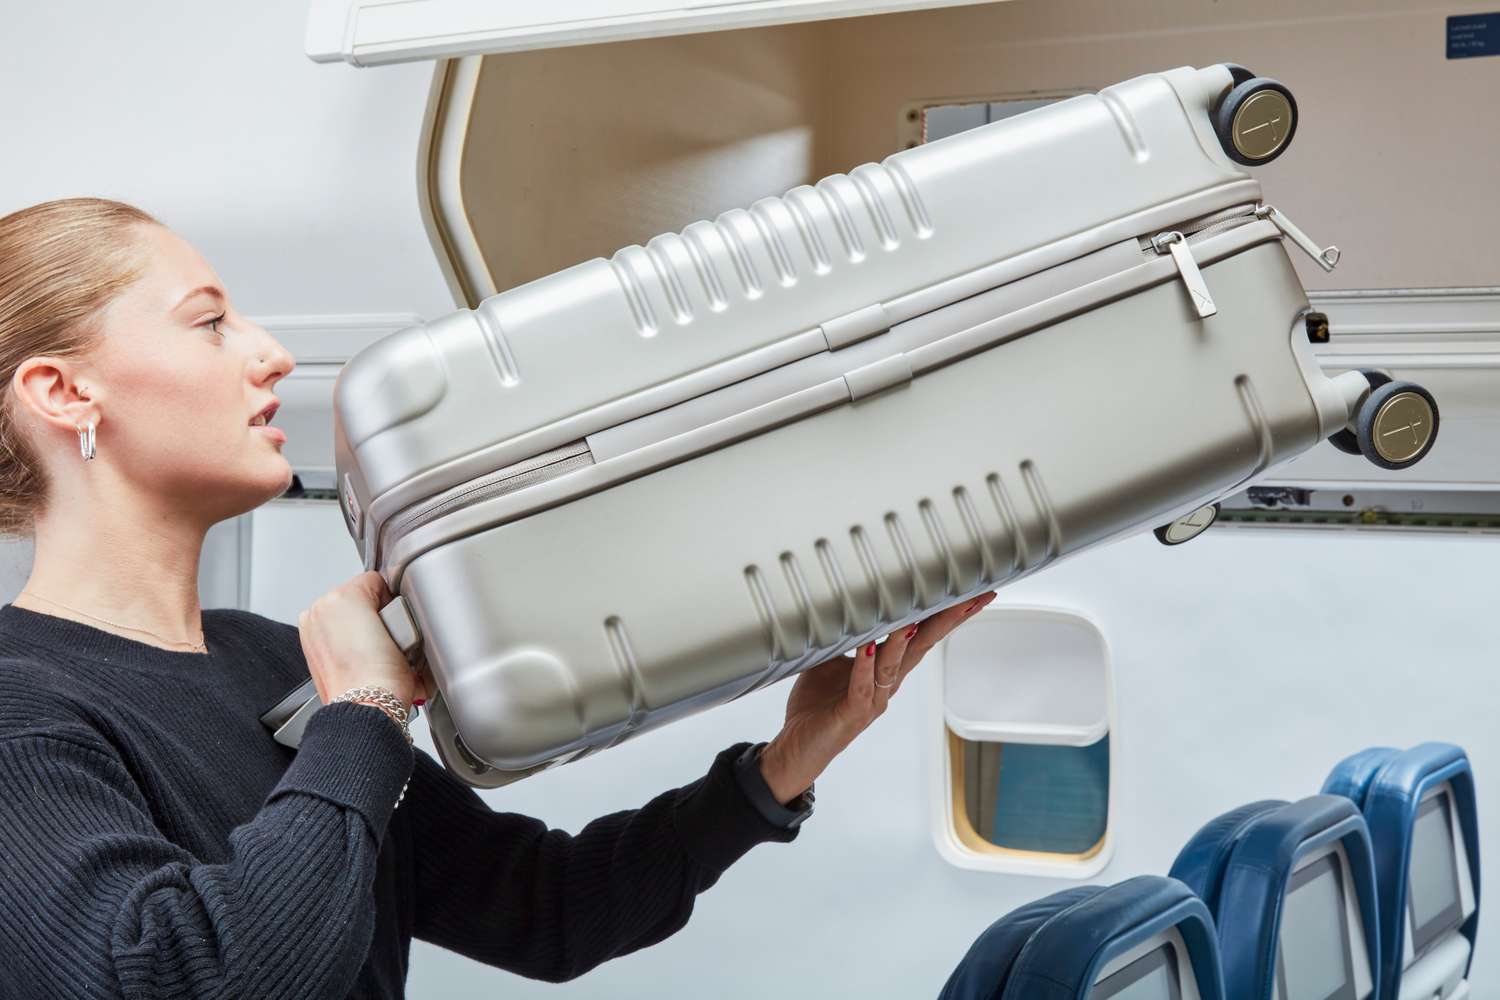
x,y
1028,718
1035,797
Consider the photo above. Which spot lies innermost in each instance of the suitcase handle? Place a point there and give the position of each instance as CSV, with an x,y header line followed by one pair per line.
x,y
288,717
402,627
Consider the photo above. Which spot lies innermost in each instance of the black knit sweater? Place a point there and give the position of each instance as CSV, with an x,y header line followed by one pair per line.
x,y
156,842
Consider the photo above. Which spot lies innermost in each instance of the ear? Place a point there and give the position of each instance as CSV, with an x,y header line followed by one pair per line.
x,y
54,392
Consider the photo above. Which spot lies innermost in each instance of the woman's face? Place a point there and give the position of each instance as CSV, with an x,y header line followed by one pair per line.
x,y
179,377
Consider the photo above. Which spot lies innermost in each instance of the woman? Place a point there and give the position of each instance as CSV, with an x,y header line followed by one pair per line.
x,y
154,840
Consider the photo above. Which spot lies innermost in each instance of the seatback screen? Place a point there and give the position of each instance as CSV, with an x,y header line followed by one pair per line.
x,y
1315,962
1153,976
1432,883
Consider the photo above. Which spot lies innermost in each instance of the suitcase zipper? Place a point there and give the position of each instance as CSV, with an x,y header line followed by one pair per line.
x,y
1175,242
1327,259
549,465
538,469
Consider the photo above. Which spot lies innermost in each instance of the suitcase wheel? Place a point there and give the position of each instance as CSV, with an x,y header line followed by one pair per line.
x,y
1256,120
1238,73
1397,425
1189,526
1346,440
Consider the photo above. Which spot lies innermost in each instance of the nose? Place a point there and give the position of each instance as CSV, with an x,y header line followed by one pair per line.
x,y
273,361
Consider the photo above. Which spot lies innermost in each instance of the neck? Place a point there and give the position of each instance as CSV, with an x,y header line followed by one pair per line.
x,y
120,558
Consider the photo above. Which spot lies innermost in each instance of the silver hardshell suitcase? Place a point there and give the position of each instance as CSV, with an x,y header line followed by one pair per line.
x,y
647,485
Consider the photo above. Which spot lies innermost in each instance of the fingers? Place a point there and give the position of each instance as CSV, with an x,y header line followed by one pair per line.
x,y
861,696
876,674
373,585
934,630
890,663
424,688
308,654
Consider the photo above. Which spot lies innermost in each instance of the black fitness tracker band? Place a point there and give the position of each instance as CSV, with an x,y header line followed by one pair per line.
x,y
747,773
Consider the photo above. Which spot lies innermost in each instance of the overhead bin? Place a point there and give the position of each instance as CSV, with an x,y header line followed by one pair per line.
x,y
544,147
372,32
1447,340
534,158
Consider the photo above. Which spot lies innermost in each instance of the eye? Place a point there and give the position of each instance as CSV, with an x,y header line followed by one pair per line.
x,y
213,324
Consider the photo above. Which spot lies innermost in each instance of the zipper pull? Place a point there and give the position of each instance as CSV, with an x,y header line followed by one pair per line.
x,y
1176,244
1327,259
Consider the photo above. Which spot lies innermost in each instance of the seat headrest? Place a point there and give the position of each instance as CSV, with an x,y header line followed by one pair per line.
x,y
984,969
1055,948
1351,776
1201,863
1393,795
1243,862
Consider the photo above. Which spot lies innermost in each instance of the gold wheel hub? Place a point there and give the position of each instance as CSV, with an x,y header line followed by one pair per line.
x,y
1262,124
1403,427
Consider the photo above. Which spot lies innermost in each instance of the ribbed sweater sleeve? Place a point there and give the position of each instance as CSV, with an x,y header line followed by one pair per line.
x,y
506,890
112,909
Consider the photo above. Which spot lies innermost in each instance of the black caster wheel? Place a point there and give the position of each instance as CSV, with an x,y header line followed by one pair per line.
x,y
1256,120
1397,425
1346,440
1238,73
1189,526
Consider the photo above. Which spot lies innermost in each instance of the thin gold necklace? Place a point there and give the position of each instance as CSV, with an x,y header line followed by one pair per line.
x,y
198,646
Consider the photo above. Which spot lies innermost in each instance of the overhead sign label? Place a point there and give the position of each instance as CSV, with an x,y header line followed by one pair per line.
x,y
1472,35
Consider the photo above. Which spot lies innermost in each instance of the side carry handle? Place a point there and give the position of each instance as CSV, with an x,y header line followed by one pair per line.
x,y
288,717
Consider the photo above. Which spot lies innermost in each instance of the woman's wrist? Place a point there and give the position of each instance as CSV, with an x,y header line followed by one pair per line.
x,y
383,699
785,774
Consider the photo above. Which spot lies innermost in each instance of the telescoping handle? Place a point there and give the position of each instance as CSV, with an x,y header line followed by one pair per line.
x,y
288,717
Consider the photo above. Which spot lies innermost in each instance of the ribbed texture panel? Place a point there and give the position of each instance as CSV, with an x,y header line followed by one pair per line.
x,y
156,842
746,254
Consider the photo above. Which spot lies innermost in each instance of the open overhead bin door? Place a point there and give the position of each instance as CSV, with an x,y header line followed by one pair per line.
x,y
371,32
561,130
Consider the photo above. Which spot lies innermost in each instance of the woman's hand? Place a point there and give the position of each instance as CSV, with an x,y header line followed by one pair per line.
x,y
835,701
347,646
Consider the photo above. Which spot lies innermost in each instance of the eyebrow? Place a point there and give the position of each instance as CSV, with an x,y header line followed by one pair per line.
x,y
201,290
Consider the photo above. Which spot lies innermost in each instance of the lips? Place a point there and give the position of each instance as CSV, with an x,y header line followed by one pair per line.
x,y
261,422
265,414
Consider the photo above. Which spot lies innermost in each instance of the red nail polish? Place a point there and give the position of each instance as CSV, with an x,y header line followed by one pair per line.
x,y
911,631
419,702
870,649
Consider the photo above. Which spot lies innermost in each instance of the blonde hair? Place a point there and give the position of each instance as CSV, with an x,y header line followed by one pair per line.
x,y
61,263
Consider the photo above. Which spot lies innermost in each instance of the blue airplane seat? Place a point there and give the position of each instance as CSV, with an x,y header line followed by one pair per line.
x,y
1351,778
1148,938
1291,887
1420,808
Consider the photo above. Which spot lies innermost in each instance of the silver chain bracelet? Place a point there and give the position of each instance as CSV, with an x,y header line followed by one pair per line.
x,y
386,701
383,699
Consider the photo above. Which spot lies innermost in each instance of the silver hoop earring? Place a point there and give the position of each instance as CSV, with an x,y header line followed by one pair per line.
x,y
86,441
